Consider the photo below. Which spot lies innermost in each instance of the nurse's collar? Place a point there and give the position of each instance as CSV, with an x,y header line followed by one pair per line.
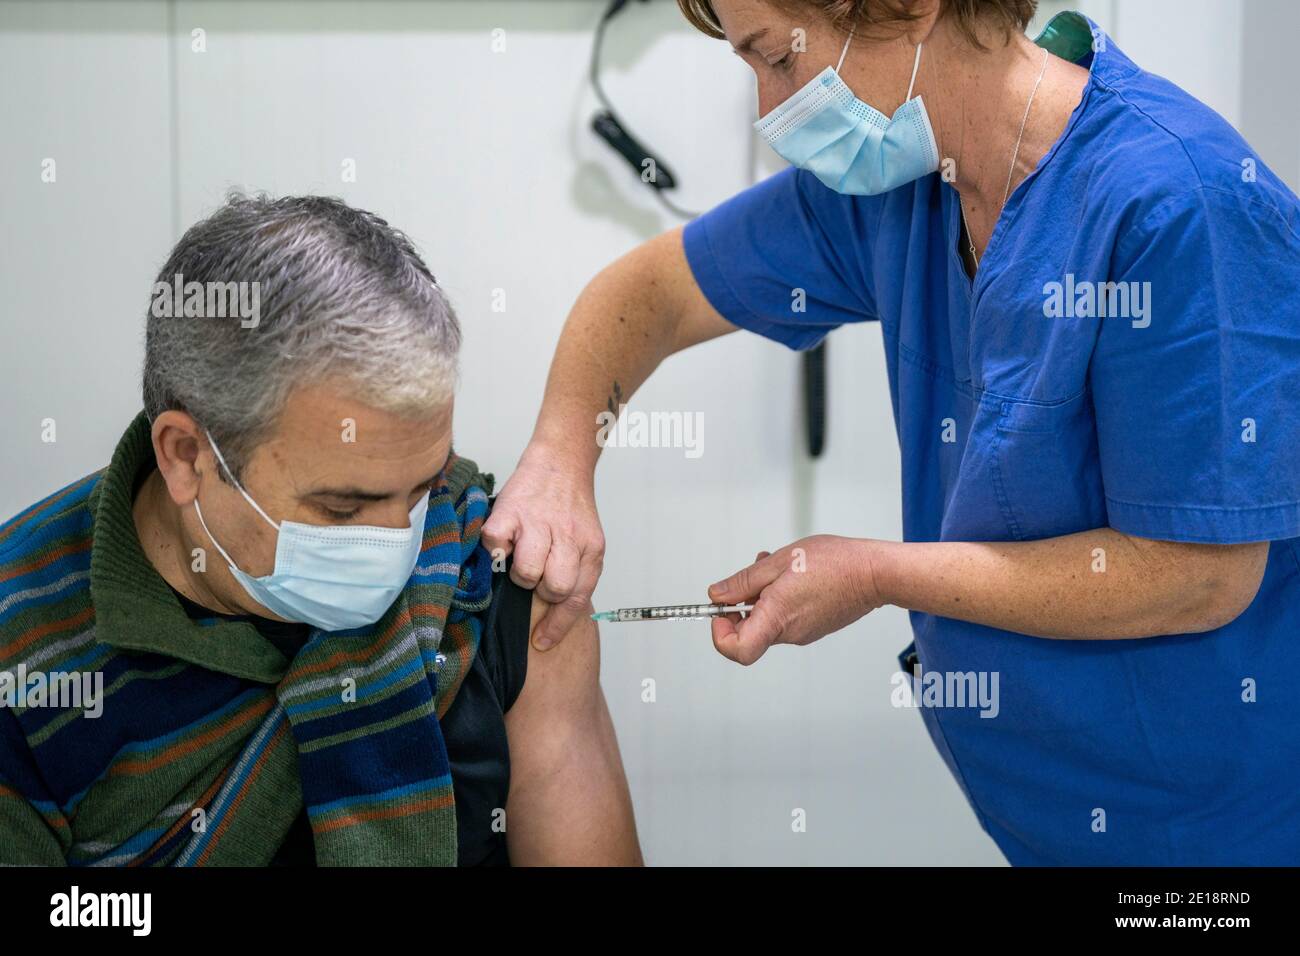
x,y
1067,35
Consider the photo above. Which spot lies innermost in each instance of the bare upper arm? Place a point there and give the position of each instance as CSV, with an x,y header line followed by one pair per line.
x,y
569,802
697,320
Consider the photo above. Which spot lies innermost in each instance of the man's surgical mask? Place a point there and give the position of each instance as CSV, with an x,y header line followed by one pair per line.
x,y
332,577
848,145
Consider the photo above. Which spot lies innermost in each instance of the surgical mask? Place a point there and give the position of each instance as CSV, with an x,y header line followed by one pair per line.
x,y
332,577
848,145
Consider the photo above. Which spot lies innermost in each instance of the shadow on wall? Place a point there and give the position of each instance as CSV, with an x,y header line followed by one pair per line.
x,y
594,192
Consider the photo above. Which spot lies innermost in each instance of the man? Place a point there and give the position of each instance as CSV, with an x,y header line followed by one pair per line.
x,y
292,646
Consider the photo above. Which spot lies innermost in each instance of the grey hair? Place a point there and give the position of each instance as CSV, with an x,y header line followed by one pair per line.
x,y
341,294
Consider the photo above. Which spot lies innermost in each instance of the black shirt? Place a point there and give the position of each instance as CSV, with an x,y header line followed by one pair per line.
x,y
474,727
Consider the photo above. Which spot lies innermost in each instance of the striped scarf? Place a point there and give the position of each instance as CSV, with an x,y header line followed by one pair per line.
x,y
210,742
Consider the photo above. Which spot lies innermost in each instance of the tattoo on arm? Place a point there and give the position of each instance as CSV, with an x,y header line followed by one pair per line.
x,y
615,399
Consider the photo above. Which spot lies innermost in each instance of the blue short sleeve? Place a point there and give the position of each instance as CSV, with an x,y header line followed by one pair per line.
x,y
1198,399
784,259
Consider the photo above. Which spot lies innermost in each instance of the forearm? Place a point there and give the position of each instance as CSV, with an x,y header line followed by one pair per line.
x,y
637,312
1095,585
622,326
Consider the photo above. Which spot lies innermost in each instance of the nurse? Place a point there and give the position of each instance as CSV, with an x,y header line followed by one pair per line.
x,y
1089,292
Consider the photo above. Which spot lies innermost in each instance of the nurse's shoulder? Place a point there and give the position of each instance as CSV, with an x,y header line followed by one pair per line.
x,y
1157,146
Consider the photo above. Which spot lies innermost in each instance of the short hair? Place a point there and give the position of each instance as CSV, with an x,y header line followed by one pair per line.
x,y
864,14
340,293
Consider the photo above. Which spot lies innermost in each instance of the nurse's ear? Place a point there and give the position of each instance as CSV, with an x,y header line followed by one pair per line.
x,y
923,17
178,443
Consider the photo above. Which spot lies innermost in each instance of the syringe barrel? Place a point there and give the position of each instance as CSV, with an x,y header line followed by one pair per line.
x,y
680,611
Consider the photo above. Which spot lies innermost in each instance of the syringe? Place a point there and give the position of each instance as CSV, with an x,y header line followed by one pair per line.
x,y
672,612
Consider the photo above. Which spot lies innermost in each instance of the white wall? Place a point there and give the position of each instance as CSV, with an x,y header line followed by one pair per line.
x,y
1270,104
485,159
85,85
1195,43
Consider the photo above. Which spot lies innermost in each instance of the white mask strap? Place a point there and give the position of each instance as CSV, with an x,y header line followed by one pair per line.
x,y
844,52
915,66
199,511
217,451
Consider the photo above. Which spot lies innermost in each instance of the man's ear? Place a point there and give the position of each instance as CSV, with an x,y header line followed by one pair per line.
x,y
178,444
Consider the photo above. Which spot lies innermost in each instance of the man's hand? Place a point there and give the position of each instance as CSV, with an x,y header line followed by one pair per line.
x,y
546,515
800,594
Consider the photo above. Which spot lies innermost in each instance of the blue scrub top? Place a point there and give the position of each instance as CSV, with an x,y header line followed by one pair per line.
x,y
1177,420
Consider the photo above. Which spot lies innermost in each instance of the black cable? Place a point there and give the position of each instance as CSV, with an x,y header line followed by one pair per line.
x,y
598,42
814,398
611,129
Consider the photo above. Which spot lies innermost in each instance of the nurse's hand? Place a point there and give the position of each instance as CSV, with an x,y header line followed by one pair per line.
x,y
546,516
803,592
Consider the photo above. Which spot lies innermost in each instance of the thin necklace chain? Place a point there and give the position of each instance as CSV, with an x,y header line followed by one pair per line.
x,y
970,237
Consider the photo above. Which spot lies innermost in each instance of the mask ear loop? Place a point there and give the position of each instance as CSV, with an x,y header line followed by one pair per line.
x,y
845,51
199,511
916,65
258,508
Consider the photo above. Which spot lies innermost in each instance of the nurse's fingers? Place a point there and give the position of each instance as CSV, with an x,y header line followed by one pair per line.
x,y
561,573
500,531
560,618
746,583
725,638
568,593
531,548
747,640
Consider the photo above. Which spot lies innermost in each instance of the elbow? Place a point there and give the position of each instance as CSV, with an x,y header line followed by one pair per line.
x,y
1220,592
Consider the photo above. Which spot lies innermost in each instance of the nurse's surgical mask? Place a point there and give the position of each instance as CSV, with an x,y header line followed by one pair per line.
x,y
332,577
848,145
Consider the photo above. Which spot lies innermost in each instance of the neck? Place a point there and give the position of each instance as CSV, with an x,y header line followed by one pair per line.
x,y
169,545
977,99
